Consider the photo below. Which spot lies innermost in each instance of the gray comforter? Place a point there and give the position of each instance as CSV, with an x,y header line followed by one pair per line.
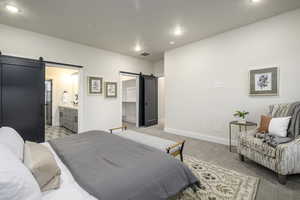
x,y
110,167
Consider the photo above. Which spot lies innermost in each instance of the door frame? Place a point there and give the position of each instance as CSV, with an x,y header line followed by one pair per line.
x,y
137,108
51,82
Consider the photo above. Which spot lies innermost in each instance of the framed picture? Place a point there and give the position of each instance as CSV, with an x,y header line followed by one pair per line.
x,y
264,82
95,85
111,89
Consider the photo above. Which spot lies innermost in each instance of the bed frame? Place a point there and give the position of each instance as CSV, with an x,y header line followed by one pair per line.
x,y
167,150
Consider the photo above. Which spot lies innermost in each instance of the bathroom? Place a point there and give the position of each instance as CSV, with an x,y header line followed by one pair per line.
x,y
61,101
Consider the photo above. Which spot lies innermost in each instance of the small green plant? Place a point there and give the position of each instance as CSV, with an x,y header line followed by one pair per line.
x,y
241,114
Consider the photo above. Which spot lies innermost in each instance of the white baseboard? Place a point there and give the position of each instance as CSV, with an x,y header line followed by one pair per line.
x,y
199,136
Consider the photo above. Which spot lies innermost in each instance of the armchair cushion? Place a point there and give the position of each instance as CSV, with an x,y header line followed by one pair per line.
x,y
248,140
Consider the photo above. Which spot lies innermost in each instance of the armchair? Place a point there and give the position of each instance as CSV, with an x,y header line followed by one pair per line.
x,y
285,158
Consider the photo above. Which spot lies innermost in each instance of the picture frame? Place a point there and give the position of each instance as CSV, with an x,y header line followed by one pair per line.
x,y
264,82
111,89
95,85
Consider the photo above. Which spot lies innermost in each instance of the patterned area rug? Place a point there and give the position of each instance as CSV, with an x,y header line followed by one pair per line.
x,y
219,183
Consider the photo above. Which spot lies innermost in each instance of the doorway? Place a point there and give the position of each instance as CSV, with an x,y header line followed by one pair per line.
x,y
130,99
61,101
139,94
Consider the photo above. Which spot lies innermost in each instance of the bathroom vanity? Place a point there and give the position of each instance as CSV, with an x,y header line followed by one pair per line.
x,y
68,117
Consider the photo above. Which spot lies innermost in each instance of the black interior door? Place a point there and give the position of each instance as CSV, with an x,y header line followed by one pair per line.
x,y
23,96
141,101
150,100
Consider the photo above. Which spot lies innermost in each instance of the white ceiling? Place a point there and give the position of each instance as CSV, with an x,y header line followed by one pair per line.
x,y
117,25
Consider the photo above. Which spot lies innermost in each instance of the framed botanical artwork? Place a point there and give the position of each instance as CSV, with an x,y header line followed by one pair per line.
x,y
95,85
264,82
111,89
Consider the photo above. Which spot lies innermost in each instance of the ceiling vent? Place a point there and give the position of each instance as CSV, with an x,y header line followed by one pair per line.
x,y
145,54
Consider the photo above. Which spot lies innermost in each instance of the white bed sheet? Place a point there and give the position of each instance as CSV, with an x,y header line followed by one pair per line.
x,y
69,189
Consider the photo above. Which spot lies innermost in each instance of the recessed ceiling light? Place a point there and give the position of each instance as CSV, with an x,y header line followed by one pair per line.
x,y
255,1
172,42
178,31
12,9
137,48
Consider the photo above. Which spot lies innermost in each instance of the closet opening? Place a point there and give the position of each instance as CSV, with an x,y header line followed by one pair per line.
x,y
139,99
130,99
61,101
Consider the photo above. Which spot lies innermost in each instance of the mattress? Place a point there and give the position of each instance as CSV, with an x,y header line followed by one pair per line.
x,y
69,189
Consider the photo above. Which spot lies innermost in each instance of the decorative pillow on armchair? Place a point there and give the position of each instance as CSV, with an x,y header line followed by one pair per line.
x,y
264,124
279,126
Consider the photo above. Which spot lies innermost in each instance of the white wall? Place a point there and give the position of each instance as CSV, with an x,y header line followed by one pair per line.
x,y
207,81
161,100
158,68
97,112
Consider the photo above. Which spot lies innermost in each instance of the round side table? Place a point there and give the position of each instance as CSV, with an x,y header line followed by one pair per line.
x,y
236,123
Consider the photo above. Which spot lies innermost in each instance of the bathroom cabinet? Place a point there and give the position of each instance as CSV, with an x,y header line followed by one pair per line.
x,y
68,118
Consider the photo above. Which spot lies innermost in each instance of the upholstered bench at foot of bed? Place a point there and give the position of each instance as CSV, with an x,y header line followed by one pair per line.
x,y
168,146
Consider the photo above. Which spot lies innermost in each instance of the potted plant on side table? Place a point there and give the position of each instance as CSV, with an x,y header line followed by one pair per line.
x,y
242,116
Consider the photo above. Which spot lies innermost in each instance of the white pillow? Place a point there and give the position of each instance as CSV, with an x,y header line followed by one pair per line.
x,y
12,140
278,126
16,181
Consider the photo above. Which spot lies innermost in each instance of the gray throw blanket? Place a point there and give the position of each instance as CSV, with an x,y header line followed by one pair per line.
x,y
273,140
284,110
110,167
294,128
288,110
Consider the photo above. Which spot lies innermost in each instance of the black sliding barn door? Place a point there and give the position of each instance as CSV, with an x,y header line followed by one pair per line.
x,y
141,101
148,100
23,96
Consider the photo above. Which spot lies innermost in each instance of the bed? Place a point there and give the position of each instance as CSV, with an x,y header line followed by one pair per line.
x,y
69,188
88,166
109,167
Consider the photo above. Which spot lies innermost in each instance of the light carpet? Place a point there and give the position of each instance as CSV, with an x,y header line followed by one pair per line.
x,y
219,183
